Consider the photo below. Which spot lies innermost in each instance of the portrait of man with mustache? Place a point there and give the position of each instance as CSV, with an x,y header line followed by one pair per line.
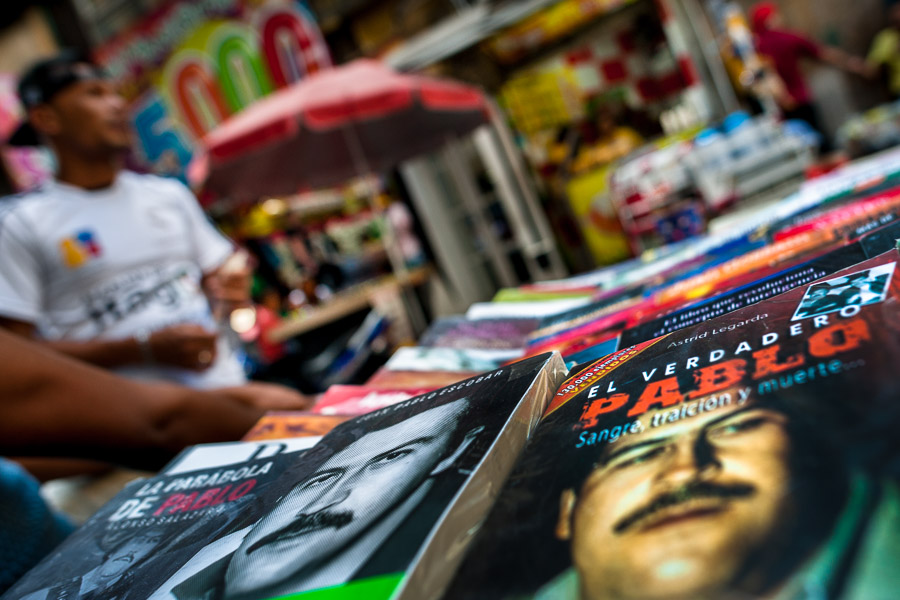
x,y
752,500
328,528
682,510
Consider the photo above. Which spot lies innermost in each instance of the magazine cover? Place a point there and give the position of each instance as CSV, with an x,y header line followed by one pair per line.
x,y
751,456
381,507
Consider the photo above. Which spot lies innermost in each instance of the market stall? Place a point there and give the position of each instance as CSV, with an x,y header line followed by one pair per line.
x,y
352,122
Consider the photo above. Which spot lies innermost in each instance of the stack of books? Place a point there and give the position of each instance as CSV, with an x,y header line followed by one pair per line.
x,y
713,420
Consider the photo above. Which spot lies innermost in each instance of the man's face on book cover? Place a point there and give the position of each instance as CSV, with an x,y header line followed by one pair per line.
x,y
350,492
681,510
128,553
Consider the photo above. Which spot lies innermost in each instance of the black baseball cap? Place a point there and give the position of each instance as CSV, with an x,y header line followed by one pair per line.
x,y
44,80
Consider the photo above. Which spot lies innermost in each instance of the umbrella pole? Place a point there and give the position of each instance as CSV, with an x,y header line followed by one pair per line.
x,y
395,255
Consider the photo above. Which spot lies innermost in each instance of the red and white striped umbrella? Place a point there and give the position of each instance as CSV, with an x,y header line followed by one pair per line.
x,y
351,120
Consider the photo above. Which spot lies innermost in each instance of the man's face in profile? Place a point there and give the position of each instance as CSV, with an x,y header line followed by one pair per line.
x,y
90,115
681,510
128,553
345,496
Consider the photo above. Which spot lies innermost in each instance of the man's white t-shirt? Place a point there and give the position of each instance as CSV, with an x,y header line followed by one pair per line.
x,y
110,263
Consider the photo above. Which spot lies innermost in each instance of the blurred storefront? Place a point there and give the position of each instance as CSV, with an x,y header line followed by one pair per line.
x,y
615,126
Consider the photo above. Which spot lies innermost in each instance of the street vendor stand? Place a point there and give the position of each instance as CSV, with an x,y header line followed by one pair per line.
x,y
363,118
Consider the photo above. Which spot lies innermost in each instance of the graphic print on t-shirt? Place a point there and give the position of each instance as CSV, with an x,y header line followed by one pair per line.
x,y
170,294
79,248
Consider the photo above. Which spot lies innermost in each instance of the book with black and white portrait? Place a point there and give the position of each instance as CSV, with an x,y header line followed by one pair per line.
x,y
381,507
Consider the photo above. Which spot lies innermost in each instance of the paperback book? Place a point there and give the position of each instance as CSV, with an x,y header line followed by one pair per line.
x,y
751,456
279,424
421,358
870,245
503,339
358,400
389,379
381,507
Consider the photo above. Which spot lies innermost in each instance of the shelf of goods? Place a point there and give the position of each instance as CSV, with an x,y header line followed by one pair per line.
x,y
373,293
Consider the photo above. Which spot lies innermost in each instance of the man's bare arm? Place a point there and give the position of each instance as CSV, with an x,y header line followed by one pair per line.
x,y
56,406
844,60
186,346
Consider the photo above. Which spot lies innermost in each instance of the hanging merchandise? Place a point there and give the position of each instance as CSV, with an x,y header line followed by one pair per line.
x,y
547,26
593,102
537,101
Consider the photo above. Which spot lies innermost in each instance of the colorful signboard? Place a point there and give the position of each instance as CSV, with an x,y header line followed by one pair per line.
x,y
190,65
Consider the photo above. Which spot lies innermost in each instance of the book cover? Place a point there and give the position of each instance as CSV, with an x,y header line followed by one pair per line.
x,y
521,294
871,244
585,315
154,526
358,400
278,424
712,279
522,310
680,303
766,287
421,358
388,379
381,507
796,240
811,213
483,334
592,353
880,207
229,454
751,456
593,332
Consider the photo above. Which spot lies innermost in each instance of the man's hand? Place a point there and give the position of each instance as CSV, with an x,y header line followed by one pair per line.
x,y
858,66
267,396
843,60
188,346
228,287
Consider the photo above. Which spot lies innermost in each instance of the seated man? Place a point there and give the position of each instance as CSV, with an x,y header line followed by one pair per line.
x,y
106,265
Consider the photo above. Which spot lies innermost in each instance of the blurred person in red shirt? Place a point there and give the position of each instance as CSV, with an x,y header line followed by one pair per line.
x,y
785,50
